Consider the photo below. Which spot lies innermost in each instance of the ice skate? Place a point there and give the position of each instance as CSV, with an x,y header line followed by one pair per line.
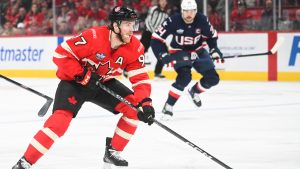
x,y
167,112
112,156
22,164
195,97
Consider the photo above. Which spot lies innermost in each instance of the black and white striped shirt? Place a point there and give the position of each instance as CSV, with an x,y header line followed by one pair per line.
x,y
155,18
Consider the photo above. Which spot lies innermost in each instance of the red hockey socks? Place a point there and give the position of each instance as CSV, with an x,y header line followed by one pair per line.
x,y
126,126
55,127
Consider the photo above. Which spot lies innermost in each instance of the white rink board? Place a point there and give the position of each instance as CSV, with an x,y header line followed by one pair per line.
x,y
285,56
247,43
27,52
229,43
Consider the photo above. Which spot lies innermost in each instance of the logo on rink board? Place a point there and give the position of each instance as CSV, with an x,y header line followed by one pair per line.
x,y
295,50
20,55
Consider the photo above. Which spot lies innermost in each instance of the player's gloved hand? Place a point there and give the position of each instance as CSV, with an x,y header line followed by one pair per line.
x,y
89,79
179,56
147,113
166,58
216,54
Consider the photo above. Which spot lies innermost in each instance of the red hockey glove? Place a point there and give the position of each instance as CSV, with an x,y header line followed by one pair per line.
x,y
148,112
89,79
216,54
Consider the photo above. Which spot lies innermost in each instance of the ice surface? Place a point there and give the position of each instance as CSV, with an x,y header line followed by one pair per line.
x,y
247,125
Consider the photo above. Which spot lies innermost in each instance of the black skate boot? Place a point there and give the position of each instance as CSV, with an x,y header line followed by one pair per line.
x,y
112,156
195,97
22,164
167,112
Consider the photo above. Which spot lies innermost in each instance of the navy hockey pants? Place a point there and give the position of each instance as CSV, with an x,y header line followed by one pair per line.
x,y
203,65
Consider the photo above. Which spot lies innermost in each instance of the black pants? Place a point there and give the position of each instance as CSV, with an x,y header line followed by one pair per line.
x,y
146,39
71,96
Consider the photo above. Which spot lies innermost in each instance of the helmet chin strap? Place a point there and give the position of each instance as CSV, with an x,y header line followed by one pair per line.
x,y
120,37
119,34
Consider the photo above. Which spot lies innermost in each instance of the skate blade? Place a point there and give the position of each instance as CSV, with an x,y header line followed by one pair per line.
x,y
107,166
111,166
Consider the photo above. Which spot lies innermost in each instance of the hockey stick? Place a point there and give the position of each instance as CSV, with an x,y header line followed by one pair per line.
x,y
45,107
164,127
270,52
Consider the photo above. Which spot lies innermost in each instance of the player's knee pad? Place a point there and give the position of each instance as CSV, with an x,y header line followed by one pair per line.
x,y
183,78
59,122
210,78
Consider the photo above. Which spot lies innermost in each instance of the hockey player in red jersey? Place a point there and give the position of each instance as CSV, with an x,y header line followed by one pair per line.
x,y
98,55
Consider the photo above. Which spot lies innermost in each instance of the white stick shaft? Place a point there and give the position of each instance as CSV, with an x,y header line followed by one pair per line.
x,y
277,45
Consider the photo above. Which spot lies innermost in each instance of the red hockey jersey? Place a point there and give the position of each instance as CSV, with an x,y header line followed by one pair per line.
x,y
92,49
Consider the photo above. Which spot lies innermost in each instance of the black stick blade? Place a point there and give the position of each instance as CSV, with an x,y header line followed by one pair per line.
x,y
45,107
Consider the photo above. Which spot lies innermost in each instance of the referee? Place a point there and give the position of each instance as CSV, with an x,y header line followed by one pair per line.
x,y
156,15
